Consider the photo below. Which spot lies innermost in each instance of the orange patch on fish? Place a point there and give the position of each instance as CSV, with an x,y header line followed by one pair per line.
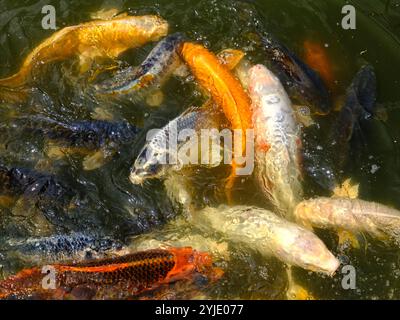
x,y
317,58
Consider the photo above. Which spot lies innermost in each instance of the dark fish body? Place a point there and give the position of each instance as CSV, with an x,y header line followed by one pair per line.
x,y
45,191
90,134
161,61
71,247
18,181
303,84
359,105
345,135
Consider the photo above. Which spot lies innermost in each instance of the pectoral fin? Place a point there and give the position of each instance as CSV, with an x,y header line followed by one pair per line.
x,y
347,190
296,291
230,57
95,160
348,239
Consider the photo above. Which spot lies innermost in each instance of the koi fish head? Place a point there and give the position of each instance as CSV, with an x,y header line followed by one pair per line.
x,y
155,27
148,165
301,247
188,261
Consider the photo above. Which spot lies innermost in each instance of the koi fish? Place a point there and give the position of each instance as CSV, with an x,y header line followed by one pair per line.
x,y
88,134
270,235
159,155
70,247
102,38
353,215
158,65
277,142
304,86
113,278
225,90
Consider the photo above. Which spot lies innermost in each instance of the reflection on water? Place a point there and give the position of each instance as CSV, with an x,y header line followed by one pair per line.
x,y
108,204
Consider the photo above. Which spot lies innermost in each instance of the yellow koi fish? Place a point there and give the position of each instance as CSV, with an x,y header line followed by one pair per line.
x,y
101,38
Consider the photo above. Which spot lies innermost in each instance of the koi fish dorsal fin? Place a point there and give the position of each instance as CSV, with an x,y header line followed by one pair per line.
x,y
108,14
346,190
230,58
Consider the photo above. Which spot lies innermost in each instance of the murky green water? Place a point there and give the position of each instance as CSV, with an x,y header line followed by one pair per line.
x,y
114,207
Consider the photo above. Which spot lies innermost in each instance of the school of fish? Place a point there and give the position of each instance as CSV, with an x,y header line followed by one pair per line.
x,y
240,96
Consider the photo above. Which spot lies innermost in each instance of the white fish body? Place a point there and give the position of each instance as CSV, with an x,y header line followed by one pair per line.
x,y
270,235
277,142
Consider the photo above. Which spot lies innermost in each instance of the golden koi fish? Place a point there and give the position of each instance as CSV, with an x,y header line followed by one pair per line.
x,y
103,38
224,89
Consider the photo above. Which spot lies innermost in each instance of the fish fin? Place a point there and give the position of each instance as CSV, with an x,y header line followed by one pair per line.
x,y
364,85
85,63
155,98
303,115
97,72
11,95
100,113
107,14
347,239
7,201
230,183
346,190
95,160
296,291
230,58
54,151
181,71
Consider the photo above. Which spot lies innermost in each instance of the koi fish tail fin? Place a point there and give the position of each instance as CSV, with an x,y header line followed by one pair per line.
x,y
14,81
24,283
9,94
230,183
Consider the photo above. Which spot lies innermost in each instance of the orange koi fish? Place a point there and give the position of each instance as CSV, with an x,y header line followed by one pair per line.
x,y
225,90
102,38
111,278
317,58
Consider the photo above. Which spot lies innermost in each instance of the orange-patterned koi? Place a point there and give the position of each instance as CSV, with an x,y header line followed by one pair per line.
x,y
102,38
111,278
317,58
226,91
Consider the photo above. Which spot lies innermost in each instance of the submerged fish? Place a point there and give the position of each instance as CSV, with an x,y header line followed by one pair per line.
x,y
226,91
277,141
317,58
159,64
71,247
113,278
270,235
47,193
89,134
345,136
304,86
359,104
104,38
354,215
